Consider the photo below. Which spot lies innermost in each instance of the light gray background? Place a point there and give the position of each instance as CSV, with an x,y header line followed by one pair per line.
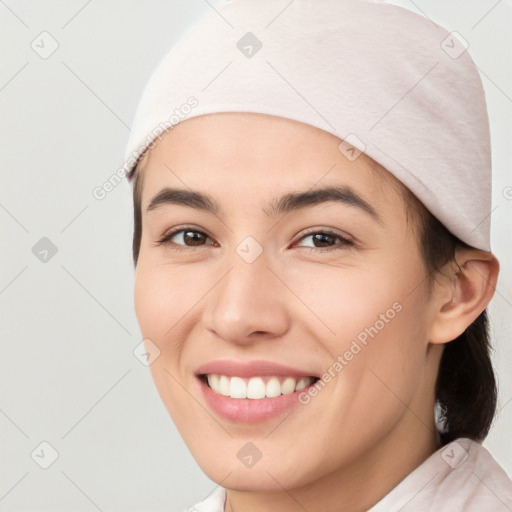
x,y
68,326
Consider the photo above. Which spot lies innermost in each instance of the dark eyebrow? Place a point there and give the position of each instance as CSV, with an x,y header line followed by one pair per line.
x,y
184,198
297,200
289,202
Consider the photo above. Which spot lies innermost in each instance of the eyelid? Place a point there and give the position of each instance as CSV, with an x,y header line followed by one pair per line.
x,y
346,240
327,231
165,239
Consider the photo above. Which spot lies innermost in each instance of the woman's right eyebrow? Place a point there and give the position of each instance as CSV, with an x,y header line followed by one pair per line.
x,y
291,201
184,197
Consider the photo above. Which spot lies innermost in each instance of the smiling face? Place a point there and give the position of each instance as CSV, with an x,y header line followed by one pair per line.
x,y
325,290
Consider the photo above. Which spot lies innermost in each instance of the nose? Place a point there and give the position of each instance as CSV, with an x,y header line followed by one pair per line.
x,y
248,303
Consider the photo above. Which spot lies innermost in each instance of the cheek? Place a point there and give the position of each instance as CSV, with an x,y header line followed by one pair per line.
x,y
350,303
163,296
162,301
373,328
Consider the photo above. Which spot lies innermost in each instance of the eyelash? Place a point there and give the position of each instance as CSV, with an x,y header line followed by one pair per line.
x,y
345,242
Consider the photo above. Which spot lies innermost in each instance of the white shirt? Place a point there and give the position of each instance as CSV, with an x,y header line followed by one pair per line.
x,y
459,477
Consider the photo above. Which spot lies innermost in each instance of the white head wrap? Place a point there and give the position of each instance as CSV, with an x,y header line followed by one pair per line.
x,y
383,79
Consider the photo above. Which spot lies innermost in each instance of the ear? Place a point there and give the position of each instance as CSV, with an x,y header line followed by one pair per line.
x,y
463,294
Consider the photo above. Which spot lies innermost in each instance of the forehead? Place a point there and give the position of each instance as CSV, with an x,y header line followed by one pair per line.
x,y
248,156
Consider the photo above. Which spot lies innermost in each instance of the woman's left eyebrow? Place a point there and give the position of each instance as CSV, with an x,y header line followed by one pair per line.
x,y
288,202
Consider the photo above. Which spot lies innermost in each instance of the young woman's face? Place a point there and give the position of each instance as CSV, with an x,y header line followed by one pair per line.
x,y
271,289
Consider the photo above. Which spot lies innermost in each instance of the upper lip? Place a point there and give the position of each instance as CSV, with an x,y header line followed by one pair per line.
x,y
249,369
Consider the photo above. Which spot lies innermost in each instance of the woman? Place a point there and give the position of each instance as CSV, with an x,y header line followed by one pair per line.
x,y
313,263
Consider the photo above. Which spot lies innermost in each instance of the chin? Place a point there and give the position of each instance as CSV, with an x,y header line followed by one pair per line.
x,y
265,475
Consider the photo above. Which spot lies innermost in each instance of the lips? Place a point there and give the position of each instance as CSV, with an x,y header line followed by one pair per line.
x,y
248,392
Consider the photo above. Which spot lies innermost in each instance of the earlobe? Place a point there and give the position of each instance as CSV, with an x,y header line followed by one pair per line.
x,y
462,299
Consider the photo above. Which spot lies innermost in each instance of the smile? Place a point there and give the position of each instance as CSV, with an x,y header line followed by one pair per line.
x,y
256,388
251,392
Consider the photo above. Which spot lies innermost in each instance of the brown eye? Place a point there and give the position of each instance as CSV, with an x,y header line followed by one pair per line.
x,y
192,237
326,239
184,238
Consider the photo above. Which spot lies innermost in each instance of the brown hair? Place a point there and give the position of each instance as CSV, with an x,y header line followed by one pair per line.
x,y
466,390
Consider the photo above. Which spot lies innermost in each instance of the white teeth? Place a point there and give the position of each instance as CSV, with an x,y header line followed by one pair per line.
x,y
237,388
213,381
273,387
255,387
288,386
301,384
223,386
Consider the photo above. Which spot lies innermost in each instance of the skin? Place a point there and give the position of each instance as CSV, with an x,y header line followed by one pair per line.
x,y
298,304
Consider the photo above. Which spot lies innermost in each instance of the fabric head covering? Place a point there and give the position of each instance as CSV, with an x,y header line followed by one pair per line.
x,y
383,79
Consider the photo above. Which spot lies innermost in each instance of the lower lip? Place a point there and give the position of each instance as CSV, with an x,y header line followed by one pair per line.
x,y
248,410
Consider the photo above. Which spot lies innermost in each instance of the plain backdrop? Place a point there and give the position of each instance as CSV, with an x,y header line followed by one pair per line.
x,y
70,379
